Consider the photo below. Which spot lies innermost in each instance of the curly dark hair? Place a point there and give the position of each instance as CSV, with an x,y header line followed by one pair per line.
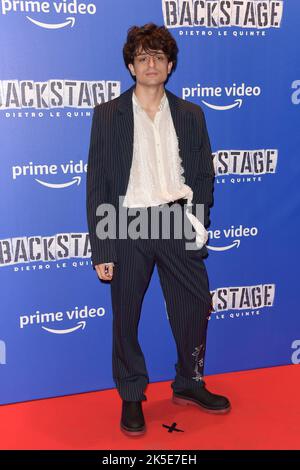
x,y
150,37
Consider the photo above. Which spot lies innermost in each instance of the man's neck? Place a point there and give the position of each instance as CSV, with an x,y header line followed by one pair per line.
x,y
149,97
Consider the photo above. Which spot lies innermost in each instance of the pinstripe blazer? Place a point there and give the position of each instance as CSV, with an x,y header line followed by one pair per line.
x,y
111,152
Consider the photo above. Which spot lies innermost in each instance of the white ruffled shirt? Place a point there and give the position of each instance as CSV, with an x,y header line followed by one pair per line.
x,y
156,174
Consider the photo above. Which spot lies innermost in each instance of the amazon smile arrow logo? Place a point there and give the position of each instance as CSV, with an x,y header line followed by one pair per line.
x,y
236,244
80,324
76,179
237,103
70,21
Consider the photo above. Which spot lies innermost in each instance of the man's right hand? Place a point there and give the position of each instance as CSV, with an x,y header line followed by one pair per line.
x,y
105,271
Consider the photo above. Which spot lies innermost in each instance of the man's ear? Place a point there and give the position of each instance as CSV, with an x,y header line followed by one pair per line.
x,y
170,65
131,68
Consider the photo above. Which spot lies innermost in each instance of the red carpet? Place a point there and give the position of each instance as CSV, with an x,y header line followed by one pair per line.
x,y
265,415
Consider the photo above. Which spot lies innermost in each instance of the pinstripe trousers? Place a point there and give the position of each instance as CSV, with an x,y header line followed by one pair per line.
x,y
184,282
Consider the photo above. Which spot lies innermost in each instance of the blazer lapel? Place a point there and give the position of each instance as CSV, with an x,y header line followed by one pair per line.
x,y
125,132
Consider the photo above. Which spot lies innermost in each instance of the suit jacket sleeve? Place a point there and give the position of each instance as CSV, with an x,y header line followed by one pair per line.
x,y
203,189
103,250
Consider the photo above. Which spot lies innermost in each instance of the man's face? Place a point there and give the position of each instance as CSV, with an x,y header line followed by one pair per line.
x,y
150,68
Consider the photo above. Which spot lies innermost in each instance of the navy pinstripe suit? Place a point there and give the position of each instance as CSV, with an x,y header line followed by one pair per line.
x,y
182,272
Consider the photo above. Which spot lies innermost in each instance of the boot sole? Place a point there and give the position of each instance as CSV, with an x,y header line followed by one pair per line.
x,y
184,402
131,433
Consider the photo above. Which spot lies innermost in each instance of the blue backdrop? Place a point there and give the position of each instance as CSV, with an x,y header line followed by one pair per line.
x,y
239,61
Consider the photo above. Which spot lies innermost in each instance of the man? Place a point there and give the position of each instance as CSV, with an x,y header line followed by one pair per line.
x,y
153,148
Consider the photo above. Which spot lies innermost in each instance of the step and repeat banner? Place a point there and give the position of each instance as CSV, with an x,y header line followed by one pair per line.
x,y
238,60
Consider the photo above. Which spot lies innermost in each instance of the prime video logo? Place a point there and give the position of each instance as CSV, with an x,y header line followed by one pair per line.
x,y
48,320
236,233
2,352
256,14
43,172
33,8
237,93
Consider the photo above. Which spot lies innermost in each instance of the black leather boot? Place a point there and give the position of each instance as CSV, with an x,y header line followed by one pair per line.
x,y
204,399
132,420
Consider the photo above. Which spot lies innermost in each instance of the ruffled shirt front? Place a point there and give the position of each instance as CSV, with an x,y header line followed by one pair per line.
x,y
156,174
